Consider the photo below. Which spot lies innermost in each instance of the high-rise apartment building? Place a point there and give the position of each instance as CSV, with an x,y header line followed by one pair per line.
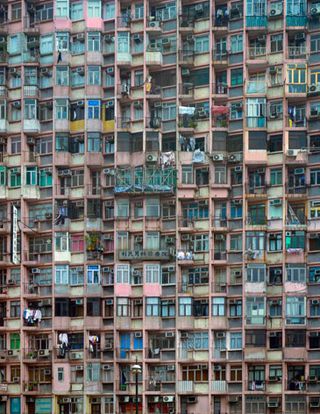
x,y
163,162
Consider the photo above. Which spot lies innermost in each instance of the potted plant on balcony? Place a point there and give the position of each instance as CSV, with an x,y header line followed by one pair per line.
x,y
92,242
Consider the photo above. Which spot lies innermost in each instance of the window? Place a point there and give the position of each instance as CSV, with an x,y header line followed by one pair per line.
x,y
152,207
256,8
276,43
62,109
296,274
315,43
94,75
235,308
236,111
94,109
218,306
168,308
60,374
275,242
62,275
62,242
109,10
14,309
93,307
195,373
168,111
15,145
93,274
31,176
76,276
123,207
93,372
94,8
197,276
255,310
123,42
201,44
152,273
76,10
236,77
15,177
236,210
123,307
235,374
196,340
276,176
62,75
14,341
295,310
235,340
187,174
62,41
275,308
138,11
30,109
16,11
123,274
236,242
46,45
94,142
201,243
44,12
152,307
256,112
236,43
185,306
93,42
295,338
297,78
255,338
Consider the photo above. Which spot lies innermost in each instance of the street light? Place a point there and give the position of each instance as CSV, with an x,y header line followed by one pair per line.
x,y
136,369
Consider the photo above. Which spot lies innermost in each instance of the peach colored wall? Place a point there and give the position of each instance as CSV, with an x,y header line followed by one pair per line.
x,y
62,386
152,289
122,289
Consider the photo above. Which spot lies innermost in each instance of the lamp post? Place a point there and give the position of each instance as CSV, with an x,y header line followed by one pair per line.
x,y
136,369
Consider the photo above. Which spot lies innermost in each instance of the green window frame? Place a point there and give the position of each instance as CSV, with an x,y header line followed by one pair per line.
x,y
3,175
31,176
236,77
15,177
14,341
45,178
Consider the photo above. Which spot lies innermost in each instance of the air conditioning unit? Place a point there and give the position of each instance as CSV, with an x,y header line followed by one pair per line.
x,y
237,273
298,171
168,398
110,71
14,72
66,173
3,39
185,72
171,368
80,203
315,302
155,399
314,236
138,105
109,38
274,12
95,400
314,403
273,403
80,37
157,105
76,355
315,203
192,399
220,335
218,157
300,37
272,70
314,334
171,268
107,367
278,272
292,152
138,302
166,43
35,270
138,239
151,158
185,237
108,345
234,157
45,72
184,335
79,301
154,24
66,400
238,168
202,113
44,352
219,237
16,105
110,104
108,171
109,302
137,38
314,88
169,334
237,202
106,269
198,7
11,282
170,240
315,9
136,273
138,334
233,399
47,372
276,202
190,39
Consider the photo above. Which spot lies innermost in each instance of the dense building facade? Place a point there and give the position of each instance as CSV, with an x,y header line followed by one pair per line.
x,y
163,159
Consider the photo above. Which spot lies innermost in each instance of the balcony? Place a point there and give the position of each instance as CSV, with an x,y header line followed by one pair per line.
x,y
256,87
297,52
145,180
258,22
297,20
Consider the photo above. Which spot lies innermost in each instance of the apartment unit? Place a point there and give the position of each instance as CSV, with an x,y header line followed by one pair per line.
x,y
163,160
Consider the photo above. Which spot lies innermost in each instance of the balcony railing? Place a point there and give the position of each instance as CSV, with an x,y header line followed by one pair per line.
x,y
256,87
257,52
297,52
144,254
